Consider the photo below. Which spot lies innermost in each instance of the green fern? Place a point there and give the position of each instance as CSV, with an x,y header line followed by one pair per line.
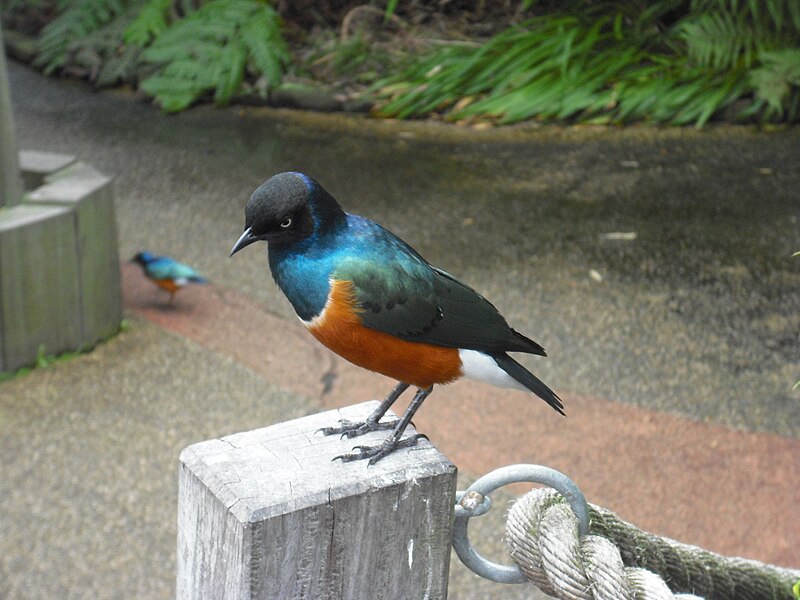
x,y
148,24
558,66
87,37
261,35
720,33
673,61
611,64
211,49
718,40
119,67
774,15
78,20
777,83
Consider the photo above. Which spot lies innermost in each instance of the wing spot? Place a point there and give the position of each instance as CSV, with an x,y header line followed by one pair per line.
x,y
433,322
373,307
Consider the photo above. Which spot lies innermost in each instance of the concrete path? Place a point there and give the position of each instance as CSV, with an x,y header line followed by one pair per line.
x,y
651,468
676,366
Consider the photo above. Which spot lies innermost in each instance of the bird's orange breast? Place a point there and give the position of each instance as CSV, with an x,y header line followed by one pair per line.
x,y
339,328
167,284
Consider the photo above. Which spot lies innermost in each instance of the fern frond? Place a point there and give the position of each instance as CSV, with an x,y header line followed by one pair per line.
x,y
192,71
118,67
268,52
151,21
230,71
776,79
773,15
211,49
174,94
719,33
79,19
717,40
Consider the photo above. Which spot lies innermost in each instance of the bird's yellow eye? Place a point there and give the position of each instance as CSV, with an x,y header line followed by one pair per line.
x,y
286,222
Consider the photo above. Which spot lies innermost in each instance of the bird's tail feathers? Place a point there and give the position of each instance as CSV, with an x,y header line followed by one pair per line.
x,y
527,344
529,380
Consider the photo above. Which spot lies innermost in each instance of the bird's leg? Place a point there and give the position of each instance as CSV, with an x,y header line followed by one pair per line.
x,y
393,442
372,423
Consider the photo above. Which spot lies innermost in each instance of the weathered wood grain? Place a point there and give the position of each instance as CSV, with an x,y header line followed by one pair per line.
x,y
268,514
90,194
60,285
10,182
36,165
39,296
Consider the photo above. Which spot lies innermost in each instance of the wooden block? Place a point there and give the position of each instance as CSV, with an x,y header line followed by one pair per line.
x,y
90,194
10,181
36,166
39,300
268,514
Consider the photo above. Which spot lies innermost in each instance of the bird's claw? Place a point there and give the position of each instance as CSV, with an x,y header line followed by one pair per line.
x,y
376,453
344,425
351,429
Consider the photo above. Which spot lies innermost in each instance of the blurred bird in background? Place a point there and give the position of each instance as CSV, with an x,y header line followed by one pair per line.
x,y
167,273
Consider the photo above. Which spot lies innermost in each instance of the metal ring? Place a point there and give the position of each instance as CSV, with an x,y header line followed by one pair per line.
x,y
497,479
481,509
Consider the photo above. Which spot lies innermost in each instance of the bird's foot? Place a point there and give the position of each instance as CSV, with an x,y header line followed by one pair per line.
x,y
350,429
376,453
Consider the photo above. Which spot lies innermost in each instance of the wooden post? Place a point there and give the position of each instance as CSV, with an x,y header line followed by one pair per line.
x,y
63,237
90,196
268,514
37,256
37,167
10,182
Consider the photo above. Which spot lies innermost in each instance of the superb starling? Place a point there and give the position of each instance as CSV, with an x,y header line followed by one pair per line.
x,y
371,298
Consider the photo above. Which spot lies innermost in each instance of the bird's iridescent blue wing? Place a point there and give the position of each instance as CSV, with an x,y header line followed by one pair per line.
x,y
166,268
408,298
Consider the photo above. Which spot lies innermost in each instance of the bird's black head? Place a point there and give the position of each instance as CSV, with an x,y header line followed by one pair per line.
x,y
143,258
285,209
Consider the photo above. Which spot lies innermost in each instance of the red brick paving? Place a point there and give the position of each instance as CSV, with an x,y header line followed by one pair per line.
x,y
729,491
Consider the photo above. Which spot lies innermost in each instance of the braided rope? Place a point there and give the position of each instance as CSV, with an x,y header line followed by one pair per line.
x,y
620,562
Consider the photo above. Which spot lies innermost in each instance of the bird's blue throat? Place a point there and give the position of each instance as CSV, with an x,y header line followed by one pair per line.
x,y
303,270
303,274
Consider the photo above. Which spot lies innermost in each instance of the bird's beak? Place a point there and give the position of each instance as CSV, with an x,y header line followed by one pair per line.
x,y
246,239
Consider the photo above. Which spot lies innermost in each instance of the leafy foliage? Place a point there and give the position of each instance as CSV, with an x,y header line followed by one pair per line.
x,y
14,7
43,361
182,51
148,24
78,20
616,65
777,83
719,33
666,61
211,48
549,68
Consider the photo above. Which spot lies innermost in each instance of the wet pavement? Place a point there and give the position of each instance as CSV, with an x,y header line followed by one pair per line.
x,y
653,265
697,315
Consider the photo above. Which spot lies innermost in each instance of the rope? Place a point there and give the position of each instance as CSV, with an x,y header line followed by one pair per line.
x,y
617,561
